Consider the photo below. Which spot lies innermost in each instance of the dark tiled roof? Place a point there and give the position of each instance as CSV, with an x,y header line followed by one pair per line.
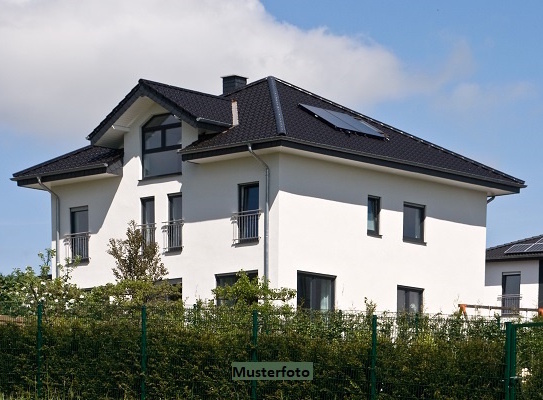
x,y
257,123
86,157
497,253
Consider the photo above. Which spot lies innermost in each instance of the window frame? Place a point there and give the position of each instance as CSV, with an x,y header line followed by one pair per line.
x,y
301,302
148,227
80,239
513,302
407,290
420,222
251,274
247,223
375,202
173,227
163,147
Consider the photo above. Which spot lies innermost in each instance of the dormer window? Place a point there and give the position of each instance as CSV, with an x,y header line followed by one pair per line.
x,y
161,140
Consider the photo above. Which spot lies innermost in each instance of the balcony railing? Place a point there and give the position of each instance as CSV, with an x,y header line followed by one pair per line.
x,y
510,303
172,232
245,226
148,233
77,246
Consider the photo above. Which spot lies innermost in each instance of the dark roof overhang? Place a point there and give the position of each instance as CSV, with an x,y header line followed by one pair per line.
x,y
90,170
282,141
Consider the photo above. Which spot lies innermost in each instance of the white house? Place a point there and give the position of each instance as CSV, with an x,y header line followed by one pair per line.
x,y
278,181
514,275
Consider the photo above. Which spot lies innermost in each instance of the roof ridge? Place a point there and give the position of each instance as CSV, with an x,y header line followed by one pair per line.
x,y
52,160
413,137
515,242
276,105
147,82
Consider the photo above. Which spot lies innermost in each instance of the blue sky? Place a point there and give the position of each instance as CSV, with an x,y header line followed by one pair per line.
x,y
464,75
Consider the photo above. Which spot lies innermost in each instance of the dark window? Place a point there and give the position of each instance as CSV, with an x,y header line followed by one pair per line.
x,y
315,291
173,228
148,219
78,239
409,299
248,213
161,140
374,209
413,223
228,280
510,298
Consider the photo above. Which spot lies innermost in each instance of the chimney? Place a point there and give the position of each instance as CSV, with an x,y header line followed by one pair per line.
x,y
232,82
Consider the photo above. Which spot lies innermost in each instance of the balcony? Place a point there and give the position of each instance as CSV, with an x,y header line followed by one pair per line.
x,y
148,233
245,226
172,233
77,246
510,304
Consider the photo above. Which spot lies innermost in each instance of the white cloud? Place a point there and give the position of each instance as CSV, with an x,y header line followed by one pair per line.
x,y
67,63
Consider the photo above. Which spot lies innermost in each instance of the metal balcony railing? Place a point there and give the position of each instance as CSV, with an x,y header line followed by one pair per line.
x,y
172,233
245,224
77,246
148,233
510,303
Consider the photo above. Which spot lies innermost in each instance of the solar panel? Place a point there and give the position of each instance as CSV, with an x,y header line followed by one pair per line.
x,y
535,248
343,121
517,248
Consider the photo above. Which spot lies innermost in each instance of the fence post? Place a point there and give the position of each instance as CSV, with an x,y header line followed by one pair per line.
x,y
39,344
507,372
513,363
373,376
253,351
143,350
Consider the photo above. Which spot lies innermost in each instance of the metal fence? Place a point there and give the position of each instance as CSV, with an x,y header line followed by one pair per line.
x,y
171,352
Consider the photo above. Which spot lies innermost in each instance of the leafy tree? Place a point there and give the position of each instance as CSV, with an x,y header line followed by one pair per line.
x,y
135,258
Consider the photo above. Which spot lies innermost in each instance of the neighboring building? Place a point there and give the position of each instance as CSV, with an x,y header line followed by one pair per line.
x,y
273,179
514,275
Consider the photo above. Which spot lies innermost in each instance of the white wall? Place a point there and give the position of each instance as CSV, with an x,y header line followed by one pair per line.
x,y
529,278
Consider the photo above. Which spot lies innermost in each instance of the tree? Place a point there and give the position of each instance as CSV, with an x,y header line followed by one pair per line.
x,y
136,258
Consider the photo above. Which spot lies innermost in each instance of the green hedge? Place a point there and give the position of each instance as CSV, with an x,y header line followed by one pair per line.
x,y
96,354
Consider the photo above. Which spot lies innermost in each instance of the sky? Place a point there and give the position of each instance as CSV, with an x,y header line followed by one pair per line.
x,y
465,75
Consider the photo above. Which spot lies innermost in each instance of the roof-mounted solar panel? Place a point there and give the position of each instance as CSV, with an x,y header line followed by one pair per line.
x,y
517,248
342,121
535,248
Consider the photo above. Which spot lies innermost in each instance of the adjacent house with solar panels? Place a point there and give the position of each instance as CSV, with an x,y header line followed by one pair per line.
x,y
282,183
514,276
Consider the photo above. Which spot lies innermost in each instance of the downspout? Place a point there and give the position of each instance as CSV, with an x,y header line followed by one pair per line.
x,y
57,228
266,214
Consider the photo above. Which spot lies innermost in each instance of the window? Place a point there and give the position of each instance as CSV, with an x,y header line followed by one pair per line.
x,y
78,240
247,217
148,219
161,140
413,223
228,280
172,229
316,291
374,209
510,298
409,299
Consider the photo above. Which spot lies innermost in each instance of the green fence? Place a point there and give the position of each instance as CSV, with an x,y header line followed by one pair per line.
x,y
171,352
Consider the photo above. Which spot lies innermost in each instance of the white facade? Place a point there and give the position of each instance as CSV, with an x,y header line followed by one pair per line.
x,y
318,224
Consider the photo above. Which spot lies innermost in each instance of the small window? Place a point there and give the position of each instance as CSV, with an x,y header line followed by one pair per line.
x,y
510,298
161,141
413,223
316,291
248,213
172,229
374,209
229,279
148,219
409,299
78,240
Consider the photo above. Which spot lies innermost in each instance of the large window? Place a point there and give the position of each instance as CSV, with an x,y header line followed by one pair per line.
x,y
248,213
148,219
413,222
161,140
172,229
228,280
510,297
409,299
78,240
316,291
374,209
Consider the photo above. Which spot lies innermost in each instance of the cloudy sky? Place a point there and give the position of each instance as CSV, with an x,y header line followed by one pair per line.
x,y
465,75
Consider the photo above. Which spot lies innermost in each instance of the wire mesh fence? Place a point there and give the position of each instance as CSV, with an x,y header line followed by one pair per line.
x,y
173,352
